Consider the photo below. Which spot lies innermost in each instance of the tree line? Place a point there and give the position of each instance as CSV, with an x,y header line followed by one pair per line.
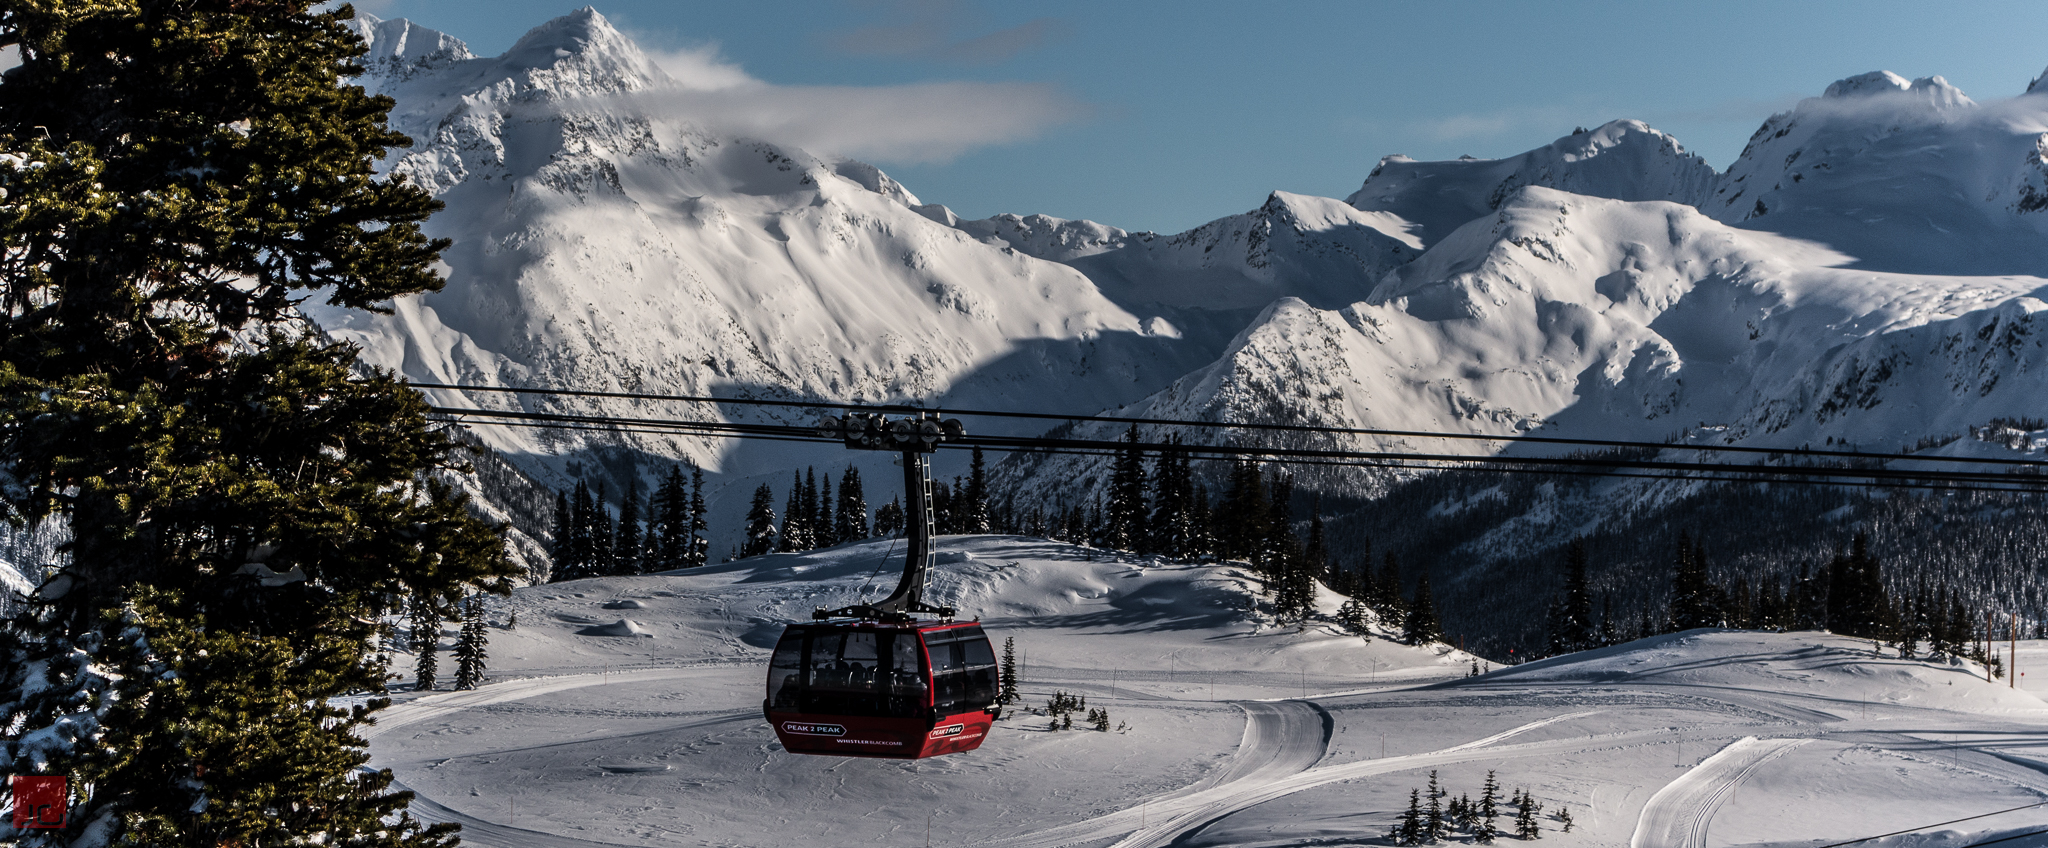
x,y
1167,510
672,535
1846,595
813,516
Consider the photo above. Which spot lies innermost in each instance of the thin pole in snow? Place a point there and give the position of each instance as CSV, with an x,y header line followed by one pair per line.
x,y
1987,647
2012,653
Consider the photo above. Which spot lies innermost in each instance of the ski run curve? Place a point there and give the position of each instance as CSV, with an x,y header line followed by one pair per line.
x,y
1678,815
1283,740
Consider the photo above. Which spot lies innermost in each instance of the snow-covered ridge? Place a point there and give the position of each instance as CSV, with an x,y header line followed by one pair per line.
x,y
400,49
1624,160
599,244
1576,288
1900,175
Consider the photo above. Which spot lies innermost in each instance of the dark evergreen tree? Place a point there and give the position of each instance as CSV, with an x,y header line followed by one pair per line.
x,y
1351,616
1812,599
889,520
1389,604
1174,515
1695,601
1857,602
975,516
1489,811
561,545
1940,639
795,536
1572,626
1241,519
668,533
1280,550
1009,683
601,535
628,553
1409,831
826,529
853,507
1422,625
1125,516
761,529
582,538
1526,808
471,647
239,490
1433,829
697,543
1315,553
426,643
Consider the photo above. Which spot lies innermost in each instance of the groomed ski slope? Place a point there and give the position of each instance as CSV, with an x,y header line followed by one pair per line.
x,y
1235,731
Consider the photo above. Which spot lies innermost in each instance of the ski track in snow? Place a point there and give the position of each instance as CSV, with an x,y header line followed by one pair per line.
x,y
1273,776
436,706
485,834
1678,815
1283,740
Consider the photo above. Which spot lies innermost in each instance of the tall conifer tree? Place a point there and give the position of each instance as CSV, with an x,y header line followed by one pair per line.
x,y
1422,625
853,507
1125,516
698,541
628,553
426,643
795,536
976,517
239,492
761,529
668,528
471,646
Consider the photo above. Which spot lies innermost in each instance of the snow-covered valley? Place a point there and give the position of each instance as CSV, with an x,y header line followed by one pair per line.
x,y
1233,731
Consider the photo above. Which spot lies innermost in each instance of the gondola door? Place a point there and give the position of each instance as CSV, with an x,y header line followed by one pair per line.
x,y
963,688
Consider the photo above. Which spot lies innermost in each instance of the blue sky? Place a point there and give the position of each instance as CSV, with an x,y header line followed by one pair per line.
x,y
1163,116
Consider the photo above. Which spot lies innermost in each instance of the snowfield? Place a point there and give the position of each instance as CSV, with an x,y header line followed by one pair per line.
x,y
1233,730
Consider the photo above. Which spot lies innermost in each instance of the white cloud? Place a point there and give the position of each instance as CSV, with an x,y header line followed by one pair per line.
x,y
702,69
926,122
898,124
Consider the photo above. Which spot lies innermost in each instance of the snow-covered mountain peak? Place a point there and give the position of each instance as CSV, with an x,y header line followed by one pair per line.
x,y
1316,248
580,54
871,178
1624,160
1042,236
1934,90
2040,83
400,48
1902,176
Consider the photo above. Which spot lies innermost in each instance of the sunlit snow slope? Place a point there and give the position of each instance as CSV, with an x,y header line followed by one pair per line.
x,y
1226,729
602,244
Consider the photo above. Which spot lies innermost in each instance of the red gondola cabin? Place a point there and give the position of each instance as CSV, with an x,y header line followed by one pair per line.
x,y
874,689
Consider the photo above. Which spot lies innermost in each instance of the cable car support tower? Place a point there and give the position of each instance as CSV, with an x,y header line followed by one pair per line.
x,y
916,437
